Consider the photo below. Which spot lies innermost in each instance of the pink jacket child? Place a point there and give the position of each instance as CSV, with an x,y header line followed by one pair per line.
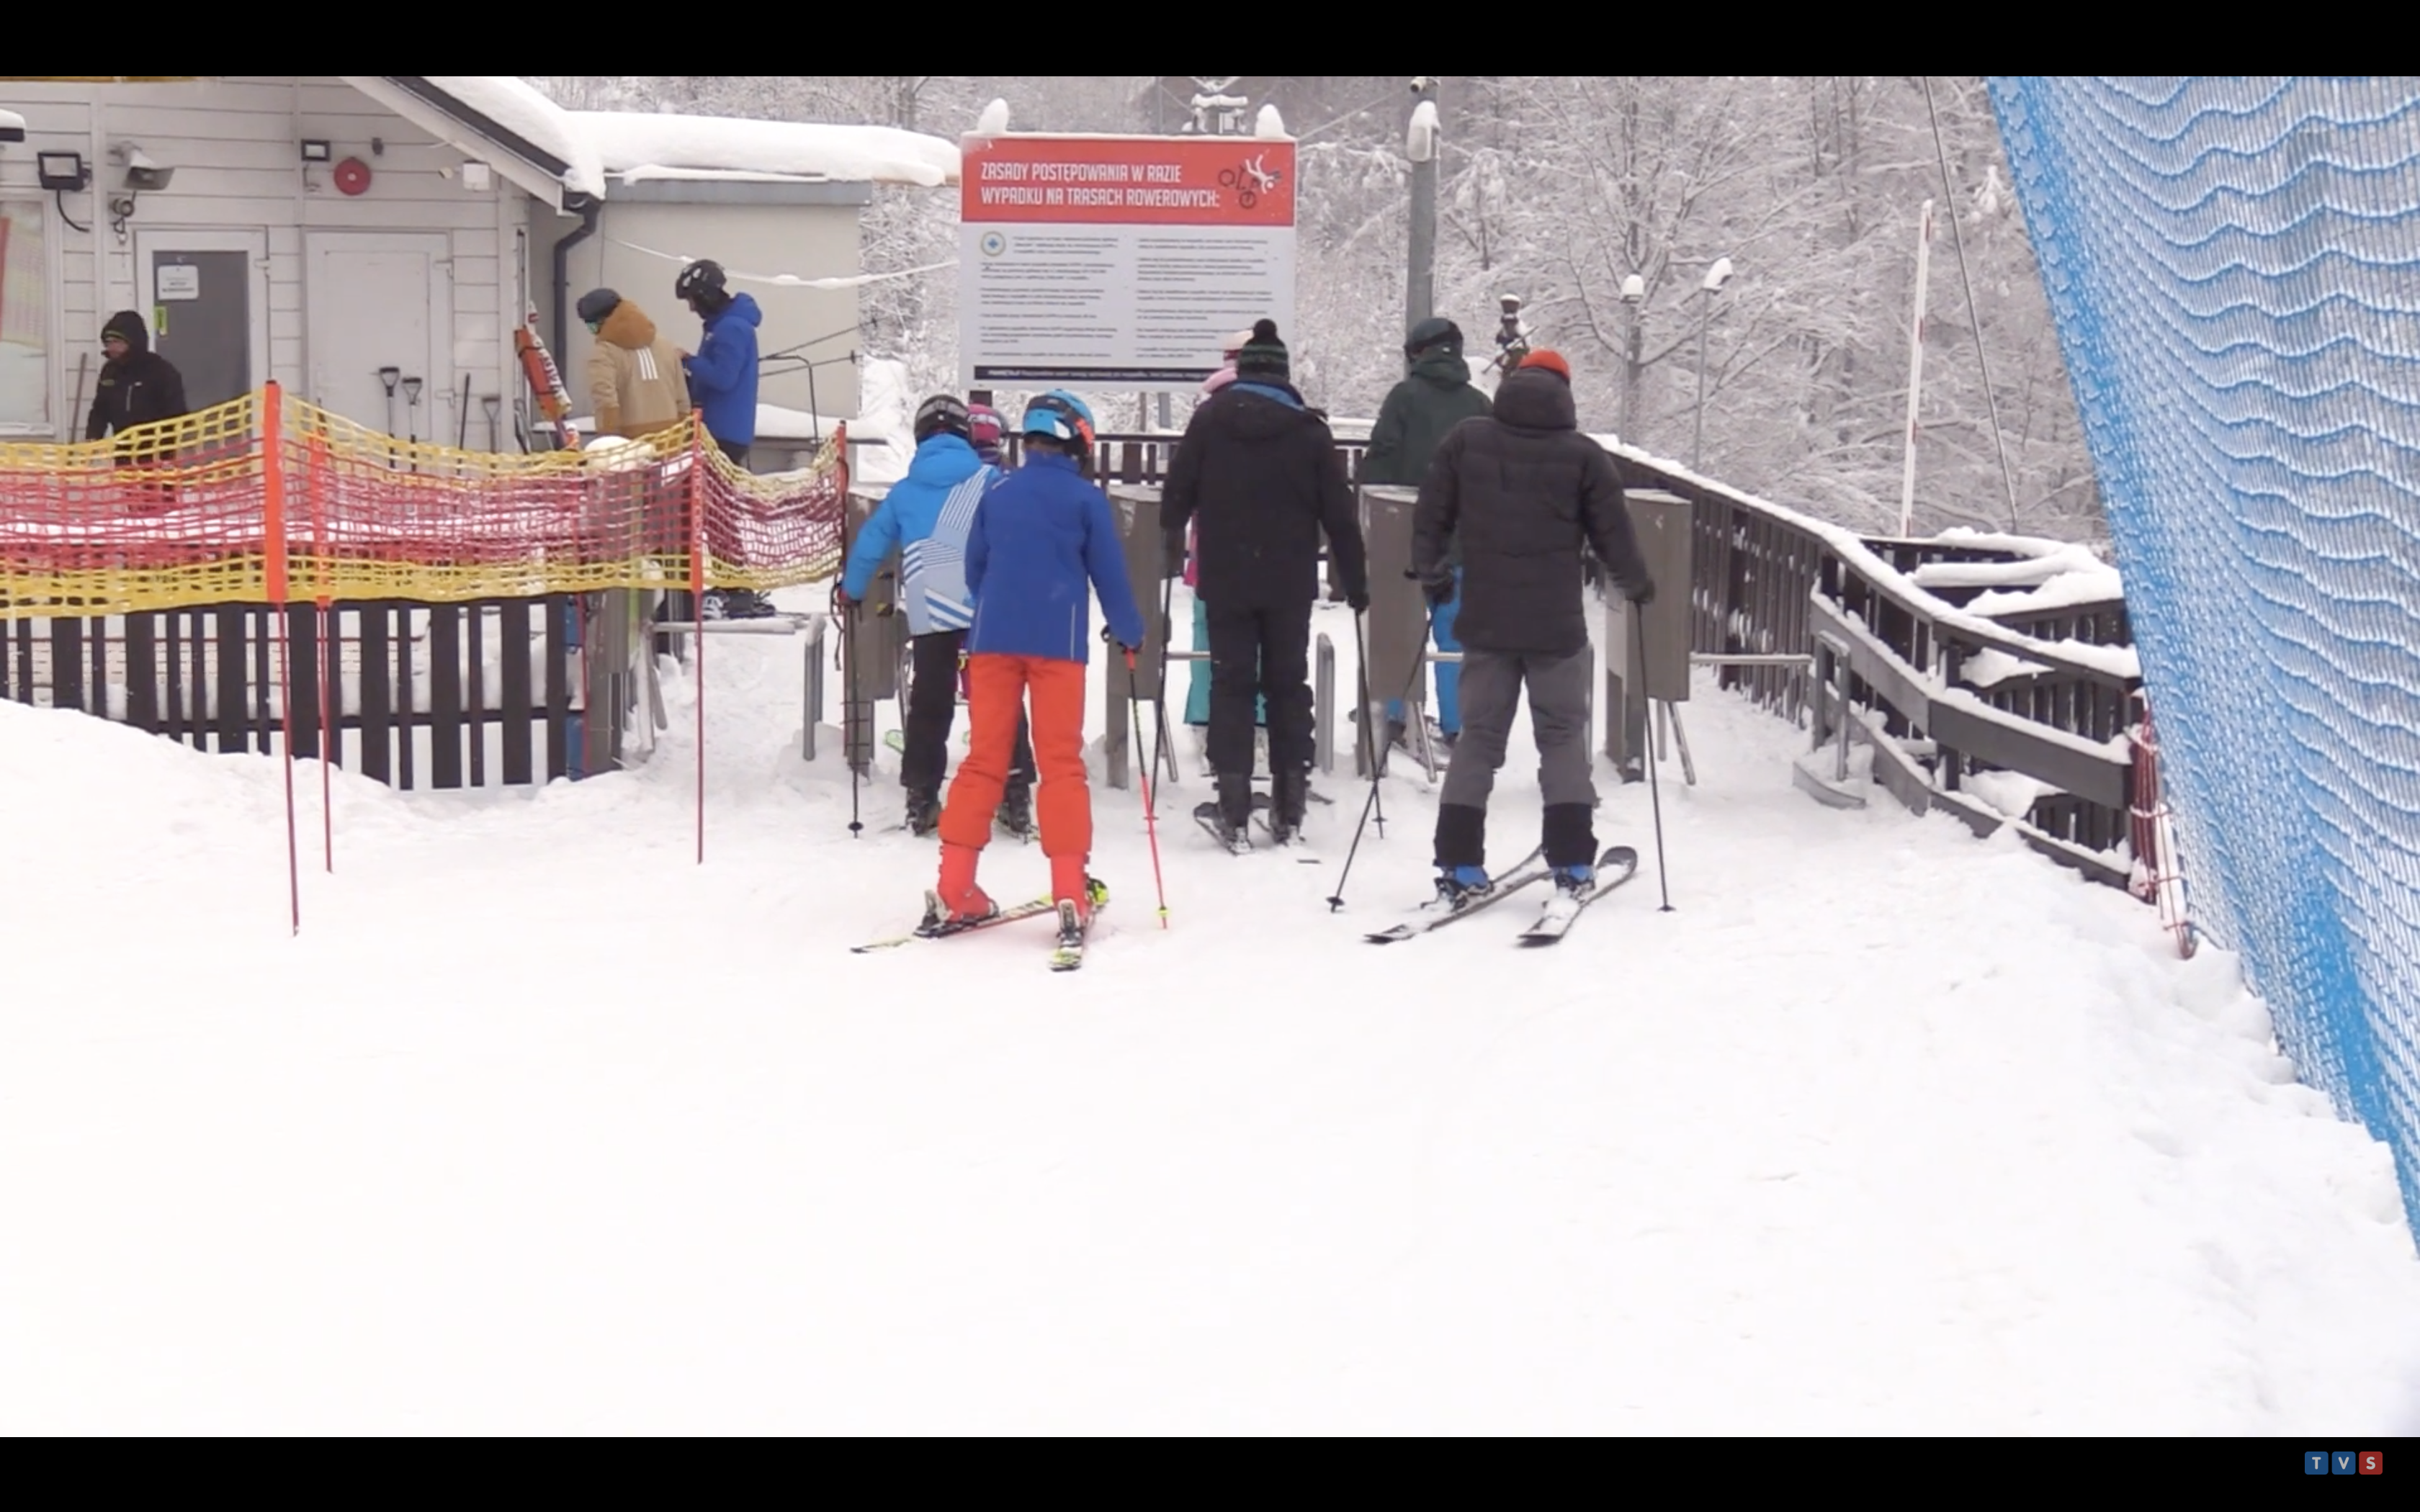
x,y
1228,353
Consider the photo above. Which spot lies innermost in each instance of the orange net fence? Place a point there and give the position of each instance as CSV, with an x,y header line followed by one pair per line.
x,y
265,499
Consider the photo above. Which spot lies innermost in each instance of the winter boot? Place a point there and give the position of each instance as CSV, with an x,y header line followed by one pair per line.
x,y
924,813
962,901
1575,881
1014,815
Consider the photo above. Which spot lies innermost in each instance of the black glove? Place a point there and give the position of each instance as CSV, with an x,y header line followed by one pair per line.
x,y
1173,561
1438,591
1357,600
1641,593
840,602
1109,640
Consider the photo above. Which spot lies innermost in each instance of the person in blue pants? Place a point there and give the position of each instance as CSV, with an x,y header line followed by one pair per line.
x,y
1435,396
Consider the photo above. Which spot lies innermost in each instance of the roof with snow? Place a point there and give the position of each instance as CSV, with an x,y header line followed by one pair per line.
x,y
551,152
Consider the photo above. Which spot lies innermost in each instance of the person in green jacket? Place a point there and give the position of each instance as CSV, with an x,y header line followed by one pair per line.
x,y
1435,396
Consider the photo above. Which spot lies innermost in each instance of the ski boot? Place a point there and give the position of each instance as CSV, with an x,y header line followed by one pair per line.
x,y
924,813
1014,815
1229,817
1575,881
1289,794
1458,887
955,900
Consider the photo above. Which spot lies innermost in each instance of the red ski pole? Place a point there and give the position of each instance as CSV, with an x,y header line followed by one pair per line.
x,y
1150,814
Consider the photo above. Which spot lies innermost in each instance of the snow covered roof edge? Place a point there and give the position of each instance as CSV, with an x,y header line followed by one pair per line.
x,y
629,140
583,147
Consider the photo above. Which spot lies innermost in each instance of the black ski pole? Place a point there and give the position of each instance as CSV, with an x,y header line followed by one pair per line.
x,y
1638,620
848,717
1159,685
1361,646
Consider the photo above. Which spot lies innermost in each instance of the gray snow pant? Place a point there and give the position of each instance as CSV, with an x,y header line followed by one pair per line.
x,y
1491,682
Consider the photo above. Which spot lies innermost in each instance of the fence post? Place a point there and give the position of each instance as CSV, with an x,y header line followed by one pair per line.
x,y
273,550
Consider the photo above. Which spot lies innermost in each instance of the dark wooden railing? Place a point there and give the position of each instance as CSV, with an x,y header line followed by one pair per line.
x,y
209,677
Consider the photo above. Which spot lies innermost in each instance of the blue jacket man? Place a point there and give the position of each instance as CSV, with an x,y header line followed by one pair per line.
x,y
722,385
926,518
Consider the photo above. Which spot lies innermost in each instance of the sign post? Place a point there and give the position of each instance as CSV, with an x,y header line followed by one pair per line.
x,y
1118,262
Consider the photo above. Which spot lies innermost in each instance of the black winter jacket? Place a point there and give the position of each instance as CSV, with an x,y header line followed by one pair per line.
x,y
136,389
1262,473
1525,491
1418,414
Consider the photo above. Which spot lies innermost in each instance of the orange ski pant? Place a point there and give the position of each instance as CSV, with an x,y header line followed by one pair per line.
x,y
997,687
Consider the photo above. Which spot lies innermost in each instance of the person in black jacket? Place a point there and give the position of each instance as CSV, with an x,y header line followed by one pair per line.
x,y
1527,494
1260,472
137,385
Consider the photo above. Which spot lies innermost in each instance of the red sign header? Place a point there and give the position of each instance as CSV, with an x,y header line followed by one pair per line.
x,y
1126,181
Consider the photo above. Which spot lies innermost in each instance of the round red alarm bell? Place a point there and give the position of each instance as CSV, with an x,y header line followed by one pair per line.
x,y
353,175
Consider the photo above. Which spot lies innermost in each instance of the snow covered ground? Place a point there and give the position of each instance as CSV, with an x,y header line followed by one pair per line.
x,y
538,1127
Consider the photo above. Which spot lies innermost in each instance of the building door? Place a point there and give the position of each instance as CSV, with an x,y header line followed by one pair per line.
x,y
205,294
377,302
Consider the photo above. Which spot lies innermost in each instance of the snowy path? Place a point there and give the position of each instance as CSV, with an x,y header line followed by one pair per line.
x,y
540,1128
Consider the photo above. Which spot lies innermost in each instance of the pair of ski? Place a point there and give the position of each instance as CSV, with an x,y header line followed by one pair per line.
x,y
1067,954
1617,865
1206,815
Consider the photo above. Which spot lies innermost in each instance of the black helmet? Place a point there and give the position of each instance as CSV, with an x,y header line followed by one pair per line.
x,y
943,412
1436,331
596,304
700,281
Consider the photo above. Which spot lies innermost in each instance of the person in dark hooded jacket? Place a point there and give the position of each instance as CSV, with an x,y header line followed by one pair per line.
x,y
1526,494
137,385
1258,473
1435,396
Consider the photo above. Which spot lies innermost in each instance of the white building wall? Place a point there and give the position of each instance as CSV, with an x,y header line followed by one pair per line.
x,y
235,145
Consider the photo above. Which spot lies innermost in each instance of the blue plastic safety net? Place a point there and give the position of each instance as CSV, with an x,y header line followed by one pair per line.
x,y
2234,266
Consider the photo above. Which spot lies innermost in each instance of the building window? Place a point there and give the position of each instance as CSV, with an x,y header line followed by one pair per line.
x,y
24,319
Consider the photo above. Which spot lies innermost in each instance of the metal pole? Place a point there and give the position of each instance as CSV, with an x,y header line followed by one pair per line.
x,y
1914,368
1698,441
1419,284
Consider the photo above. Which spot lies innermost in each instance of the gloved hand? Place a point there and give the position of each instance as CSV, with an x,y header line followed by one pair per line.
x,y
1109,640
1641,593
1172,554
840,602
1439,590
1357,600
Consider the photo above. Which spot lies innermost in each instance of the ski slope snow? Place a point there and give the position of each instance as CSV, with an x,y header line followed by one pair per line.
x,y
539,1127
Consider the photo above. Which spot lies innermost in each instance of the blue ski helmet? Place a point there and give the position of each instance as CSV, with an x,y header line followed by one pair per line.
x,y
1062,417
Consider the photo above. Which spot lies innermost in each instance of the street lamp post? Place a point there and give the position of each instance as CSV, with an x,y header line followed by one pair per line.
x,y
1717,276
1634,293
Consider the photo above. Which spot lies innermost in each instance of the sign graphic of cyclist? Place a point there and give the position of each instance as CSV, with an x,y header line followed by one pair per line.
x,y
1249,181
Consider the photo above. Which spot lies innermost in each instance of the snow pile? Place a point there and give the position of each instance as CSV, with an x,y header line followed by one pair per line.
x,y
633,146
519,107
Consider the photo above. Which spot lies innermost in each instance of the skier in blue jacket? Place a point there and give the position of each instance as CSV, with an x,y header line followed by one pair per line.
x,y
926,518
1043,544
723,384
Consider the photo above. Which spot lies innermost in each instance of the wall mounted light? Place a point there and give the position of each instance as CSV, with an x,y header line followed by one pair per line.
x,y
316,150
61,171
